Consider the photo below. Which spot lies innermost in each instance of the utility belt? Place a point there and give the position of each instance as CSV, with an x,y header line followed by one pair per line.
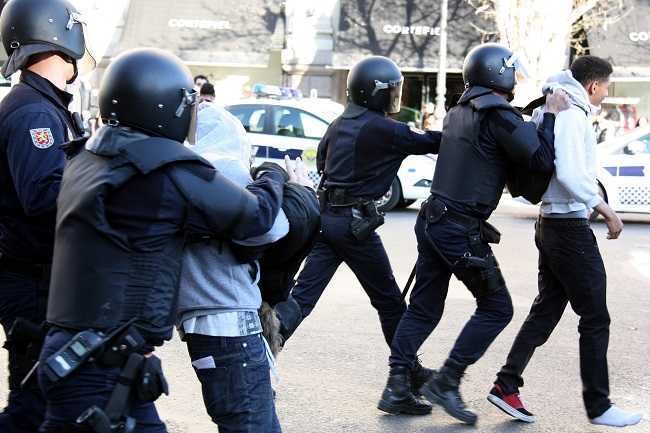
x,y
366,217
140,377
478,268
37,270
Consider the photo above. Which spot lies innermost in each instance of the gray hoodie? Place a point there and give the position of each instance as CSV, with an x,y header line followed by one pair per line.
x,y
573,188
218,295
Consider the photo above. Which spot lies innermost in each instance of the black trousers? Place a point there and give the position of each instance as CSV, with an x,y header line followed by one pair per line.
x,y
571,271
22,295
367,259
427,302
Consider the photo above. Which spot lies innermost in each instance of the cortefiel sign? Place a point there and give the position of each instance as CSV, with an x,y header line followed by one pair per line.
x,y
639,36
181,23
394,29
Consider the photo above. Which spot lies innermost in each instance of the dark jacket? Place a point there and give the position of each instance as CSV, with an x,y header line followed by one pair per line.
x,y
363,150
484,141
34,122
128,203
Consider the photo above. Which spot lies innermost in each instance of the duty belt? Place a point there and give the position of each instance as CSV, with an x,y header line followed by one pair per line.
x,y
339,197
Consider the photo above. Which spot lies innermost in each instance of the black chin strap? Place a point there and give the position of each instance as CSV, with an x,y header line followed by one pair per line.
x,y
76,72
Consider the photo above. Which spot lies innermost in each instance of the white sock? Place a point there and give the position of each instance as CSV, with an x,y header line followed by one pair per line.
x,y
616,417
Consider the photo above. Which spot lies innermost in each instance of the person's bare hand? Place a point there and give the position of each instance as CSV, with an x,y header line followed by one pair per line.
x,y
614,227
613,221
557,101
297,172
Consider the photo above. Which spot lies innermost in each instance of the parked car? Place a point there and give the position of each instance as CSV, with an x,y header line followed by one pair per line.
x,y
624,171
279,127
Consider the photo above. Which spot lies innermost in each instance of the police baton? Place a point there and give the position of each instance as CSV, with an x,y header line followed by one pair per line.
x,y
409,282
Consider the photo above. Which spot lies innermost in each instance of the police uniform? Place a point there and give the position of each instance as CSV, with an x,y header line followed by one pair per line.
x,y
130,198
34,122
359,156
483,138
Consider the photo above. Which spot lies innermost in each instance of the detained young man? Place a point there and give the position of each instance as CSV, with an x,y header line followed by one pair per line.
x,y
571,269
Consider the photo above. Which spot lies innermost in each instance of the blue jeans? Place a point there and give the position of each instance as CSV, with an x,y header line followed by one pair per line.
x,y
235,381
367,259
22,295
91,385
441,244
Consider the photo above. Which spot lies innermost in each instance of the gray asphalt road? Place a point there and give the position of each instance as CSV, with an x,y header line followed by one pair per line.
x,y
334,369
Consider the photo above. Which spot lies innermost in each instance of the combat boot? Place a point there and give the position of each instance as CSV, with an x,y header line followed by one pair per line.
x,y
419,376
397,397
443,389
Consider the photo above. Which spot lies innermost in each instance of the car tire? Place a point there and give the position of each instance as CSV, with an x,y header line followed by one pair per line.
x,y
594,215
392,198
404,203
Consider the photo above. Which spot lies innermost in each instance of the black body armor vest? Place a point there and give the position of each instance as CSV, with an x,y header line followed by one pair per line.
x,y
468,171
99,280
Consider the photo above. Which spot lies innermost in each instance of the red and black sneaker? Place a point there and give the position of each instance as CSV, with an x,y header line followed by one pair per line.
x,y
510,404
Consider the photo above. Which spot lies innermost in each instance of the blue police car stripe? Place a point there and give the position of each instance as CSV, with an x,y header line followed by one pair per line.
x,y
612,170
636,171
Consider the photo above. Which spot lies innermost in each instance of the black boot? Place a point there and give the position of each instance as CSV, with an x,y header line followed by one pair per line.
x,y
419,376
442,389
397,396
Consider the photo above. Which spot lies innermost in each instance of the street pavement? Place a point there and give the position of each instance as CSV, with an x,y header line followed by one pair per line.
x,y
334,368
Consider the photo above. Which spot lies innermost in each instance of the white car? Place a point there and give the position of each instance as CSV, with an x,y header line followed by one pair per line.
x,y
624,171
279,127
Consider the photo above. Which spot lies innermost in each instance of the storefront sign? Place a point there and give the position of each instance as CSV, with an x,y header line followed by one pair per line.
x,y
413,30
639,36
181,23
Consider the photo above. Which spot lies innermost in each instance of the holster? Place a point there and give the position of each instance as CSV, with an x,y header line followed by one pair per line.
x,y
366,218
478,269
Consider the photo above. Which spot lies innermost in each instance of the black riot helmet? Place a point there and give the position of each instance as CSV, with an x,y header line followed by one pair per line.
x,y
376,83
150,90
494,66
30,27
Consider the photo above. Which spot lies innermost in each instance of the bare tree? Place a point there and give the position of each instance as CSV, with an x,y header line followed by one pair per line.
x,y
361,30
544,36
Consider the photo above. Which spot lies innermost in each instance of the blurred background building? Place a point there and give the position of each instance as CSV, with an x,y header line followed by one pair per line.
x,y
311,44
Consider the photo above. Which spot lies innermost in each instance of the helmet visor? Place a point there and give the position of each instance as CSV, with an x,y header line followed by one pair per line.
x,y
394,88
395,104
87,62
190,102
521,72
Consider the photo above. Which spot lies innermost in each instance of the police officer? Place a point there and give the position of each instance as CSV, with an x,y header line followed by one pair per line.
x,y
359,157
130,197
483,139
45,41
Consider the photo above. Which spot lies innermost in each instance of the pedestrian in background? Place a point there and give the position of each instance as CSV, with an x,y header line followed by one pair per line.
x,y
207,94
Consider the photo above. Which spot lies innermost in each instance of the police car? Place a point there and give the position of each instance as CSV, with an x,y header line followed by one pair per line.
x,y
294,127
624,171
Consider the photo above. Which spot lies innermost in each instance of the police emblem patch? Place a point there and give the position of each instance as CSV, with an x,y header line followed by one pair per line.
x,y
42,137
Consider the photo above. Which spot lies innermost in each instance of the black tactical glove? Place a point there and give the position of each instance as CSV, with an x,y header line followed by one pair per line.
x,y
152,383
256,172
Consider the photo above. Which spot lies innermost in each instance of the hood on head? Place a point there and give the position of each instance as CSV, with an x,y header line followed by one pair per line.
x,y
577,94
220,135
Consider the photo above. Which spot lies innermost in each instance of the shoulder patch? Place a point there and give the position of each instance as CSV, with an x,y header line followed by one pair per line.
x,y
42,137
